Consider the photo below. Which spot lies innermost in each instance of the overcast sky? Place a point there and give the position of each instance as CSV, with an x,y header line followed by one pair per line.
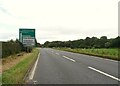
x,y
59,19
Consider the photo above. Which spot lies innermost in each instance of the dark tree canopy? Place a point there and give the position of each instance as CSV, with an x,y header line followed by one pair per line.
x,y
94,42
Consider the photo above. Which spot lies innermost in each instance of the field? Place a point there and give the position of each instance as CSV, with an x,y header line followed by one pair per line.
x,y
104,53
16,73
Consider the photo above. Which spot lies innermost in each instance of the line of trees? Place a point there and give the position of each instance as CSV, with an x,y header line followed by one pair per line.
x,y
93,42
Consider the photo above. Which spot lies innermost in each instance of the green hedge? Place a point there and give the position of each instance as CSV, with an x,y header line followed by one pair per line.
x,y
11,47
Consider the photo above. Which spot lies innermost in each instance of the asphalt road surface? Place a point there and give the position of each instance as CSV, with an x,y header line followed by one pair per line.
x,y
61,67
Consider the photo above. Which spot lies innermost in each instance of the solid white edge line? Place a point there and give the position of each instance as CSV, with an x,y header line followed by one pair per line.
x,y
57,53
111,60
105,59
69,58
34,68
104,73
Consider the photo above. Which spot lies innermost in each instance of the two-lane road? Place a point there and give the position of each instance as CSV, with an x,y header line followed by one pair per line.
x,y
61,67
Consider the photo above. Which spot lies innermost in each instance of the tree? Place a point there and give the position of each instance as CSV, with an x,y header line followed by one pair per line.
x,y
88,42
107,44
95,42
116,42
102,41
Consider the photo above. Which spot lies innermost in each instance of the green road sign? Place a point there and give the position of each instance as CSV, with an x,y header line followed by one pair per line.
x,y
27,36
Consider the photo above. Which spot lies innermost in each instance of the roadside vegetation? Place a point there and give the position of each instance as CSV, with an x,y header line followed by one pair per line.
x,y
104,53
21,64
11,47
14,47
16,60
103,47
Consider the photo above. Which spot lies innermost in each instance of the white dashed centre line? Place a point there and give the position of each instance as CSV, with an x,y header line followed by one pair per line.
x,y
104,73
69,59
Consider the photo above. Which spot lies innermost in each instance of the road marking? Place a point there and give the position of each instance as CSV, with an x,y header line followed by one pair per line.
x,y
57,53
104,73
34,68
104,59
69,58
111,60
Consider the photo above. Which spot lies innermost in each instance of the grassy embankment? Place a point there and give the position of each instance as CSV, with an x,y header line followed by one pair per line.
x,y
17,72
104,53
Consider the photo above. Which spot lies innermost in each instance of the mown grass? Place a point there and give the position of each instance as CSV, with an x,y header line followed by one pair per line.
x,y
16,74
104,53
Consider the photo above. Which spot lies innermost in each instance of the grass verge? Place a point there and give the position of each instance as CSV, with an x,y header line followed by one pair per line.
x,y
104,53
15,74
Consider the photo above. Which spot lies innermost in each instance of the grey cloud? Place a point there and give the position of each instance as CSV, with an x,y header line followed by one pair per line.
x,y
76,31
5,11
68,33
8,36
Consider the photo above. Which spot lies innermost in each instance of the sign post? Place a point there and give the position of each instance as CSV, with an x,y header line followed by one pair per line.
x,y
27,36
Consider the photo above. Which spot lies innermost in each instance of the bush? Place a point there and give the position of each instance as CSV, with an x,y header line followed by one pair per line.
x,y
13,47
9,48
